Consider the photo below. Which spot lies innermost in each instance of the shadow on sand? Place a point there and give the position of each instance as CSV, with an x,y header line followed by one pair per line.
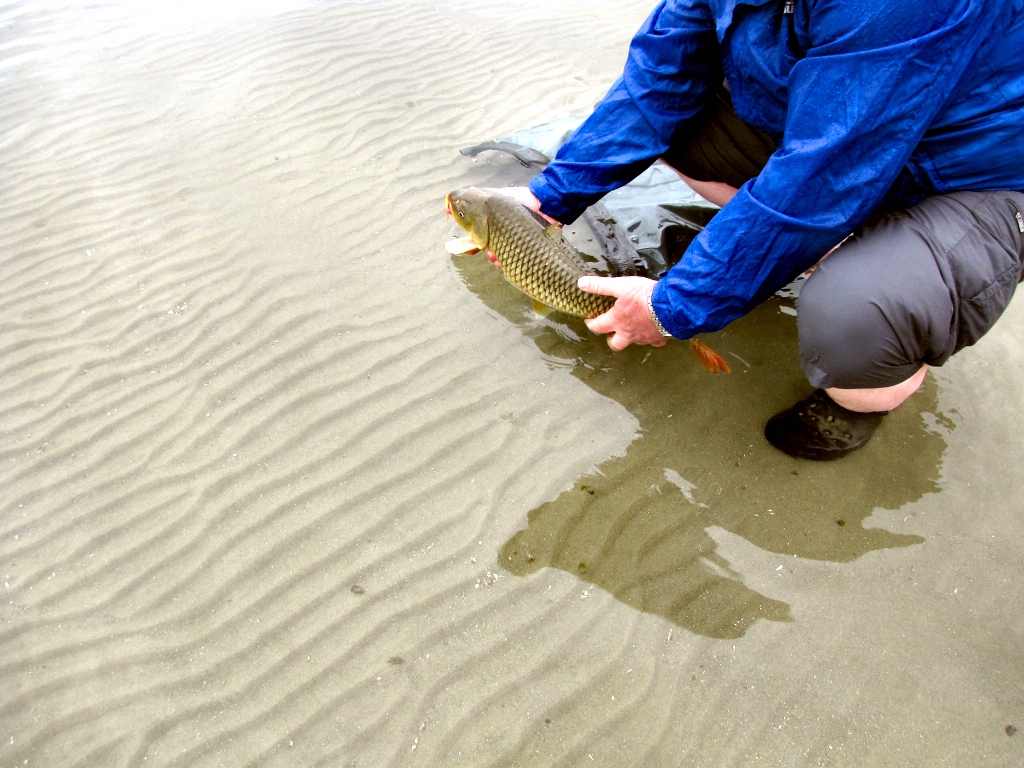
x,y
638,527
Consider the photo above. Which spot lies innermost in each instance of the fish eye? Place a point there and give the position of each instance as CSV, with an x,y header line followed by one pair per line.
x,y
462,215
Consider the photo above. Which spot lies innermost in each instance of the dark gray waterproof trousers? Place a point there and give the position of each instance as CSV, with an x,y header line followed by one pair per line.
x,y
910,287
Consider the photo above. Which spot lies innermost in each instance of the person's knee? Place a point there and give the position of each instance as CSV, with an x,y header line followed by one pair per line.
x,y
914,288
847,334
880,398
833,324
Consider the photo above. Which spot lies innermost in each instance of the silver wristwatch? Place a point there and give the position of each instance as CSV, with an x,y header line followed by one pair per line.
x,y
654,315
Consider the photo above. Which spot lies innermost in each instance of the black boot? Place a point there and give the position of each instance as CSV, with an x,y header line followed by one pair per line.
x,y
820,429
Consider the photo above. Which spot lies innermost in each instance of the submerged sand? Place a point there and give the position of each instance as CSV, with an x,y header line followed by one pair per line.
x,y
285,484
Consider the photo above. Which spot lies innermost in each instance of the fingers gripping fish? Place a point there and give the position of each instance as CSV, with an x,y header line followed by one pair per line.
x,y
535,258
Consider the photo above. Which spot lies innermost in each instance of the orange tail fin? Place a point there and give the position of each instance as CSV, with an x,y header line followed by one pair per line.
x,y
708,357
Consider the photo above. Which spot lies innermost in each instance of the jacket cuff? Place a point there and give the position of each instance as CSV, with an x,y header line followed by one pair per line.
x,y
551,203
654,315
662,310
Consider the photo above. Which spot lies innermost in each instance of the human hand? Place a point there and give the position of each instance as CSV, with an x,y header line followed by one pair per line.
x,y
629,320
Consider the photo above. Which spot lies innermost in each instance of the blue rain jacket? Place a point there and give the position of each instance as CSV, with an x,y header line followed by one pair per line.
x,y
873,102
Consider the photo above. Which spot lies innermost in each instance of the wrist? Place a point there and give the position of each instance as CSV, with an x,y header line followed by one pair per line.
x,y
654,315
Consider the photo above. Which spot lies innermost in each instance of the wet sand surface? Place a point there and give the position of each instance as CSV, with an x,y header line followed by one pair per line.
x,y
285,484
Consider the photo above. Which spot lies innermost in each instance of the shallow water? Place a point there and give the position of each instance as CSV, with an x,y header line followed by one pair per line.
x,y
285,484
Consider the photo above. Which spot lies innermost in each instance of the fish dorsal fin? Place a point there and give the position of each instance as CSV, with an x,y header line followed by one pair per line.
x,y
575,256
553,232
536,216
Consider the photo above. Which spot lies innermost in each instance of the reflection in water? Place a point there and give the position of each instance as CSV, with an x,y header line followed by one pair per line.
x,y
638,527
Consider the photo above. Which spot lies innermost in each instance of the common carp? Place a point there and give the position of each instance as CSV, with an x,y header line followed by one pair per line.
x,y
535,258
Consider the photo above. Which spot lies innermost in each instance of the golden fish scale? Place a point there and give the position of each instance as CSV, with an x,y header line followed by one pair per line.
x,y
537,265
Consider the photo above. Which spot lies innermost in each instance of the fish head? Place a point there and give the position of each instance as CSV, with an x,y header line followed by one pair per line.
x,y
469,209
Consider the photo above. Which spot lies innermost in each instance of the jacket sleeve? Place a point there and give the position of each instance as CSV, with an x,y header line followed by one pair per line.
x,y
874,76
671,62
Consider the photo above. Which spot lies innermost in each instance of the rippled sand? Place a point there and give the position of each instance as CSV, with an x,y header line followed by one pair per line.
x,y
285,484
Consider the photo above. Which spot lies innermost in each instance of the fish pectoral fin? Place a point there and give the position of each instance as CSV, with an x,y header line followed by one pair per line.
x,y
708,357
543,310
461,245
553,232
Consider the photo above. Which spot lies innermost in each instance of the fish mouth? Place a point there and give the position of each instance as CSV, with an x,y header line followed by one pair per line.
x,y
448,205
